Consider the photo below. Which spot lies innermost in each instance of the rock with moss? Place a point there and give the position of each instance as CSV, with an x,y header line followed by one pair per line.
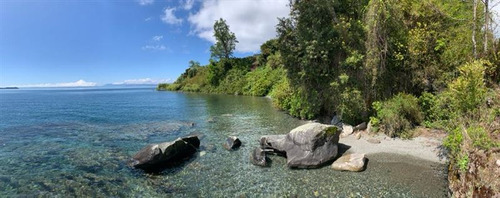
x,y
307,146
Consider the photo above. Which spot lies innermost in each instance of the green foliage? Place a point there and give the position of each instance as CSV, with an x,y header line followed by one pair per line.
x,y
454,141
463,163
233,82
398,115
469,89
313,41
261,80
352,106
281,94
225,41
480,138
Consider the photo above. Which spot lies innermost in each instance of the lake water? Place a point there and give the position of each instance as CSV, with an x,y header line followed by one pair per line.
x,y
76,142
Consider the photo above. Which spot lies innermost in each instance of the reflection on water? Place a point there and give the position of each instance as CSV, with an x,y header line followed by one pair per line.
x,y
77,142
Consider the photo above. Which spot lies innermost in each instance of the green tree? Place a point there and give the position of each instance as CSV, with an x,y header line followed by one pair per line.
x,y
226,41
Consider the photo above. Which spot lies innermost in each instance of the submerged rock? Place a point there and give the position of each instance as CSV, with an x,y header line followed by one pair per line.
x,y
232,143
307,146
157,156
350,162
258,157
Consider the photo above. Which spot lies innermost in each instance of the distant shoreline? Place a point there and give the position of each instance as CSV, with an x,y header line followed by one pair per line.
x,y
9,87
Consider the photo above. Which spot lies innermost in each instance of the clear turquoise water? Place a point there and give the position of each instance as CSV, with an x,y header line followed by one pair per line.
x,y
75,142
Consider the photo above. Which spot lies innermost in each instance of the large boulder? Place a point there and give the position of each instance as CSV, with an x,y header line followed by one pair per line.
x,y
232,143
307,146
157,156
350,162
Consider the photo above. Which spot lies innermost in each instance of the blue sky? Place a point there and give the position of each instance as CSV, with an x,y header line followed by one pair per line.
x,y
72,43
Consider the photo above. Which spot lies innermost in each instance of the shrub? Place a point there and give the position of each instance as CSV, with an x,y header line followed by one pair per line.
x,y
469,89
398,115
261,80
480,138
454,141
352,106
281,94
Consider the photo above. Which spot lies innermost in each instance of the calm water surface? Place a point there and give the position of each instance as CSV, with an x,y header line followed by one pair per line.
x,y
75,142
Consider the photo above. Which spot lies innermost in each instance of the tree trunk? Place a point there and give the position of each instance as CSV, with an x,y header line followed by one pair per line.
x,y
486,25
474,44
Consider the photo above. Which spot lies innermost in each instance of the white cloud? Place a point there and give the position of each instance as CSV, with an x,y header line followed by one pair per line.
x,y
187,4
79,83
252,21
148,19
143,81
169,17
145,2
154,47
157,38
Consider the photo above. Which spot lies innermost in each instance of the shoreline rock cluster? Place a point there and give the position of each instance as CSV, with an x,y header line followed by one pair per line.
x,y
311,145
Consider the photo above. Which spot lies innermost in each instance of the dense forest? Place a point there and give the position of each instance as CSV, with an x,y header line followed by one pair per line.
x,y
397,64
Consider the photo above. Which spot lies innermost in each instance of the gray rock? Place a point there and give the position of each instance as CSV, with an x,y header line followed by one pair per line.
x,y
232,143
258,157
360,127
336,121
156,156
373,141
350,162
346,130
275,142
307,146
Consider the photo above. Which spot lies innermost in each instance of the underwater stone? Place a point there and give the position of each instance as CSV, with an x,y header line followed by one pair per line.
x,y
157,156
232,143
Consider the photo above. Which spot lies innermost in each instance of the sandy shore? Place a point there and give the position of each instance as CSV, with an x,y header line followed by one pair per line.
x,y
426,148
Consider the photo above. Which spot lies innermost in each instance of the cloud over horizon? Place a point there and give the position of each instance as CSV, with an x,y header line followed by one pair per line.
x,y
79,83
253,22
142,81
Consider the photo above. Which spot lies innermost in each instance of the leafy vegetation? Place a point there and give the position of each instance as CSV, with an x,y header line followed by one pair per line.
x,y
400,64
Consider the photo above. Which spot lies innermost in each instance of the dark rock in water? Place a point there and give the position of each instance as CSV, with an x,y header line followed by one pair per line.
x,y
192,140
157,156
232,142
258,157
307,146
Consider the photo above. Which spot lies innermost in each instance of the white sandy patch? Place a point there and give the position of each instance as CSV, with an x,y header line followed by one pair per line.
x,y
420,147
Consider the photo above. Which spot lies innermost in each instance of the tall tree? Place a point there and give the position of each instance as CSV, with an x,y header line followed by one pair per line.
x,y
226,41
486,24
474,44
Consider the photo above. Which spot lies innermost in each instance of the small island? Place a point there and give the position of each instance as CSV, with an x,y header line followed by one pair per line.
x,y
9,87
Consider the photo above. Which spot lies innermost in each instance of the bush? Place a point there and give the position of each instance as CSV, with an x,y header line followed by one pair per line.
x,y
281,94
352,106
454,141
480,138
399,115
261,80
469,89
